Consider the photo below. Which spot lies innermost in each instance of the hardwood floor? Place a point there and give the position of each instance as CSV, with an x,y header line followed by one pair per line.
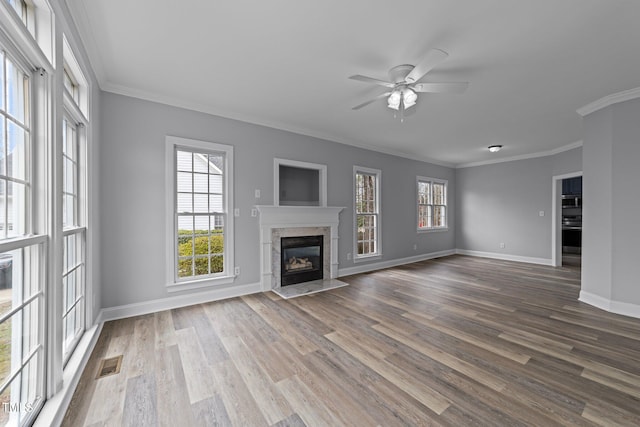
x,y
454,341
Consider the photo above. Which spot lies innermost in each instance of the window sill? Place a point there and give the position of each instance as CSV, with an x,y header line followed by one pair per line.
x,y
366,258
200,283
432,230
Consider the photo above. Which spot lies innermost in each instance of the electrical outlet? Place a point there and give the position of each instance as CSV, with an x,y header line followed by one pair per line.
x,y
236,212
502,245
236,271
348,256
415,247
541,213
257,193
254,212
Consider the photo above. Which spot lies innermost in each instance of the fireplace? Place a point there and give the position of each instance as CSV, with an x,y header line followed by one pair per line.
x,y
302,259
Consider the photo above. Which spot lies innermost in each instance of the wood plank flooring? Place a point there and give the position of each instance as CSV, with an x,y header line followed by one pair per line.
x,y
455,341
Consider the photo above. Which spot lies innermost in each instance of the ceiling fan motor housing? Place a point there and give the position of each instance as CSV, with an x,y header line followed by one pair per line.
x,y
399,74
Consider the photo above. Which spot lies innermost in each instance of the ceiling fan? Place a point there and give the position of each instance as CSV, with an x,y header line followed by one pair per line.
x,y
404,87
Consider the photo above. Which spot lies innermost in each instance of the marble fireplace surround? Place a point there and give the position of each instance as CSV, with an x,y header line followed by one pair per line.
x,y
289,221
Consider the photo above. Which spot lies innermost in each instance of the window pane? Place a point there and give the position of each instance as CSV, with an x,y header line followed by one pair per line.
x,y
438,194
439,216
69,185
200,163
185,224
215,184
185,202
3,203
200,203
17,84
184,161
2,147
216,203
185,183
200,183
216,164
201,225
16,146
217,264
16,198
2,80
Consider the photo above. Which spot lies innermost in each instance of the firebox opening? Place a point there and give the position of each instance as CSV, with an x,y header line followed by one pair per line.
x,y
302,259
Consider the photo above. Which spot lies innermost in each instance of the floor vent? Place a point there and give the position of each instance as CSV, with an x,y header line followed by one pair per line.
x,y
110,366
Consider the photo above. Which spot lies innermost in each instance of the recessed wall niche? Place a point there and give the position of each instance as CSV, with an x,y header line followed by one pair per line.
x,y
299,183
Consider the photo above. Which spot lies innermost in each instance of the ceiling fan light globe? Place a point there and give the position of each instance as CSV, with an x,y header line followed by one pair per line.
x,y
394,99
494,148
409,97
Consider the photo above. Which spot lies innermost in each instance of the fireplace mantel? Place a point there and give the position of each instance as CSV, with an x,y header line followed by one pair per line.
x,y
292,217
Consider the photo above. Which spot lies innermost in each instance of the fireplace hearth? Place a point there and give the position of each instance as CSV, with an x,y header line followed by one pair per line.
x,y
302,259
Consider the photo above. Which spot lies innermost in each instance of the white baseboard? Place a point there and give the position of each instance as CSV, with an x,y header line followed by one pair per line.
x,y
54,410
617,307
506,257
153,306
363,268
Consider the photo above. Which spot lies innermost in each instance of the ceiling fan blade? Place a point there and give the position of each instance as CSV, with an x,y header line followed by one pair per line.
x,y
366,79
364,104
441,87
433,58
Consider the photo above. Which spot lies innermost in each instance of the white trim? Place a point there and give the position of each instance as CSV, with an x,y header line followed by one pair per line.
x,y
556,217
170,182
55,407
547,153
161,304
506,257
322,178
617,307
608,100
393,263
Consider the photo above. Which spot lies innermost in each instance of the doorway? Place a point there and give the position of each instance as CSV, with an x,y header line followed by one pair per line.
x,y
567,220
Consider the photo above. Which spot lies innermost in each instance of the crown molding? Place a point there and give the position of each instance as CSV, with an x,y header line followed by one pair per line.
x,y
206,109
80,19
553,152
608,100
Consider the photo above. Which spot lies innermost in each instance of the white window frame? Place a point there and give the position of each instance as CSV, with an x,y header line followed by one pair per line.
x,y
172,284
33,242
378,254
431,181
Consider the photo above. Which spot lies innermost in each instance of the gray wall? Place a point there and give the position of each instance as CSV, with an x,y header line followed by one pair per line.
x,y
500,203
133,195
610,267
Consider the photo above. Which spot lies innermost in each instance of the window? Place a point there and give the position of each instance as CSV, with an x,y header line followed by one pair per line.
x,y
73,275
22,252
202,229
432,204
367,212
73,204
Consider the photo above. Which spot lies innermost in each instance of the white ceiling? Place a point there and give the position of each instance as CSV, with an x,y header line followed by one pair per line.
x,y
284,63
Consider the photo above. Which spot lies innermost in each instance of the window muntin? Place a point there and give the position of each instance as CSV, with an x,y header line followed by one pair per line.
x,y
432,203
367,220
201,213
